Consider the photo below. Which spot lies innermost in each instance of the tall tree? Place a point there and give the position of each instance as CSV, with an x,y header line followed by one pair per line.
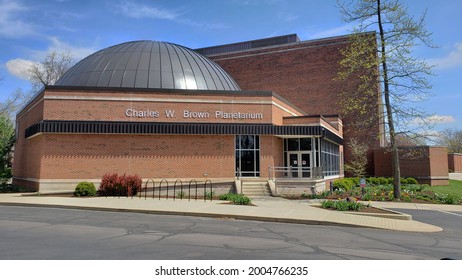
x,y
403,78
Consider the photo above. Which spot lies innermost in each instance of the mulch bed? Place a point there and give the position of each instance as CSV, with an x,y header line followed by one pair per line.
x,y
370,209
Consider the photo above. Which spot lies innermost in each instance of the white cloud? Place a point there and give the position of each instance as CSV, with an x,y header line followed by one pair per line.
x,y
453,59
11,22
435,119
441,119
60,47
135,10
139,11
336,31
19,67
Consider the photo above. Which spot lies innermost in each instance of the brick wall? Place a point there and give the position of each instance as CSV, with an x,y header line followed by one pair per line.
x,y
426,164
303,73
455,162
69,158
154,156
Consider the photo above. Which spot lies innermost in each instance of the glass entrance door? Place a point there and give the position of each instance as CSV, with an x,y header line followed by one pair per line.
x,y
299,164
305,164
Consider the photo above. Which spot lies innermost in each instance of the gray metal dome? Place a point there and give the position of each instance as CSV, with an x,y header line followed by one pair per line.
x,y
148,64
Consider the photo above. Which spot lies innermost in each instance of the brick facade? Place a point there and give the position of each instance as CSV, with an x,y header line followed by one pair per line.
x,y
429,165
57,161
455,162
303,73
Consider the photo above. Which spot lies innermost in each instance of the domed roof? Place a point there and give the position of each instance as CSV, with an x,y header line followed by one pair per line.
x,y
148,64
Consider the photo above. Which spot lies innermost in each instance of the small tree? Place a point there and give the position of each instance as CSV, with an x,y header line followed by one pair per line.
x,y
402,77
358,162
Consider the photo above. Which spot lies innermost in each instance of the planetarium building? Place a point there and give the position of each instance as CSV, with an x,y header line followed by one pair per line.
x,y
164,111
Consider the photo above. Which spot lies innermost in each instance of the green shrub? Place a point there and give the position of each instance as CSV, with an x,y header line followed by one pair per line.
x,y
382,180
413,188
235,198
409,181
320,195
305,196
343,205
448,198
345,184
226,196
373,181
353,181
180,194
241,199
85,189
209,195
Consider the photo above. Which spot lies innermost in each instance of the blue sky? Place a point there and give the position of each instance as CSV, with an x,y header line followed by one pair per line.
x,y
30,29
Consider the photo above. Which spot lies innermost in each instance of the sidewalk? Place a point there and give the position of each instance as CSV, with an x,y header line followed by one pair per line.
x,y
265,209
455,176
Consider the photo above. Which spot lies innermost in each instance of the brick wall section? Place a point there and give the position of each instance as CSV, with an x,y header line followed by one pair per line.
x,y
455,162
27,151
154,156
80,157
426,164
303,73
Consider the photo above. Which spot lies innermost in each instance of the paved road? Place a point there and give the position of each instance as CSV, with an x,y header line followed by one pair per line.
x,y
51,233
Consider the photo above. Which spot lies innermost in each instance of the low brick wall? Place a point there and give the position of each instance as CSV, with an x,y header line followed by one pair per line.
x,y
455,162
297,188
428,165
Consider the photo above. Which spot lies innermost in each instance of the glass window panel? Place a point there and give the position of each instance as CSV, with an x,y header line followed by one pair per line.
x,y
305,144
293,144
247,161
247,155
257,160
247,142
237,156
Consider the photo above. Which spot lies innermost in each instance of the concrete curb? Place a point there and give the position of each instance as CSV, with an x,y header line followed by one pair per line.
x,y
393,214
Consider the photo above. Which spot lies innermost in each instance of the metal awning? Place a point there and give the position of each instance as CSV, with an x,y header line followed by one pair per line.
x,y
107,127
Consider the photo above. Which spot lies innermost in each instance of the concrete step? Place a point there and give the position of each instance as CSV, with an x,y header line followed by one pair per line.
x,y
255,188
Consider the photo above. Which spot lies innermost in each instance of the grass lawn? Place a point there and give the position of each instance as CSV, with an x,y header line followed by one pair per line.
x,y
455,187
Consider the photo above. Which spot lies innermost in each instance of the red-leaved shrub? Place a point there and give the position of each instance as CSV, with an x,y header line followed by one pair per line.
x,y
123,185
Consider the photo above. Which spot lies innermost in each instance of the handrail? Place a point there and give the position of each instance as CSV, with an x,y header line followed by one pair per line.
x,y
288,172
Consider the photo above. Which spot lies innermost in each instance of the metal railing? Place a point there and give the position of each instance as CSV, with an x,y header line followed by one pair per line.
x,y
283,172
150,186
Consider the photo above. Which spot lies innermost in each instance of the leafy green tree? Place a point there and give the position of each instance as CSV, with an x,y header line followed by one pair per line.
x,y
403,78
6,145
